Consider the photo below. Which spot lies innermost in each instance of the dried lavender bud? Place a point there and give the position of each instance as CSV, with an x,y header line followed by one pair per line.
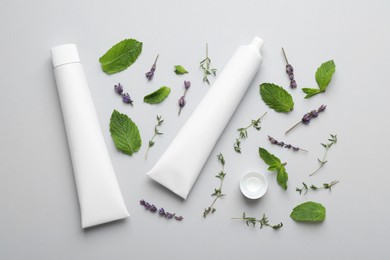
x,y
142,202
308,117
153,208
289,68
150,73
291,77
282,144
180,218
126,99
187,84
293,84
321,108
169,215
182,102
118,88
161,212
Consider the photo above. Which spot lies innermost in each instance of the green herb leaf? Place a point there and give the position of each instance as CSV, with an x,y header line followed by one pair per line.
x,y
282,177
125,133
309,212
311,92
269,159
324,74
158,95
323,77
276,97
179,70
275,164
120,56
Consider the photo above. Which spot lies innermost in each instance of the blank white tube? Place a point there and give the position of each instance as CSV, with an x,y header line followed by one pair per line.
x,y
98,191
180,165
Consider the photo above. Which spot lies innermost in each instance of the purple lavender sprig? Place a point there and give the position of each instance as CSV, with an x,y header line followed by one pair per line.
x,y
149,75
125,96
182,100
308,117
282,144
161,212
290,72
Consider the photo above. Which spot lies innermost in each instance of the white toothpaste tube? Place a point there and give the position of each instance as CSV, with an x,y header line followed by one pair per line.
x,y
98,191
179,166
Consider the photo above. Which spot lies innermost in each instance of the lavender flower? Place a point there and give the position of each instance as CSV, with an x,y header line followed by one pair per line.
x,y
152,208
118,88
290,72
282,144
126,98
149,75
308,117
182,101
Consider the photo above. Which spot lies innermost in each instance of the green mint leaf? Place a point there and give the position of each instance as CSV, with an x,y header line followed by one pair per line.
x,y
311,92
120,56
276,97
270,159
125,133
158,95
309,212
179,70
282,177
324,74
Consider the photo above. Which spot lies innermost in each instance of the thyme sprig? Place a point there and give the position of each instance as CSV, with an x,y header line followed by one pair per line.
x,y
218,191
205,66
243,132
332,141
325,186
160,120
263,221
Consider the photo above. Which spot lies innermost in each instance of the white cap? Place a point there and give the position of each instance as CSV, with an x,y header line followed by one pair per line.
x,y
64,54
257,44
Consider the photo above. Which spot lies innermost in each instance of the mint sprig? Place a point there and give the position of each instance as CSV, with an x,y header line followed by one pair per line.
x,y
323,77
276,97
275,164
125,133
121,56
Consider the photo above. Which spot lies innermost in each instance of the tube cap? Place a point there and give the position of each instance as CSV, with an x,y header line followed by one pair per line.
x,y
64,54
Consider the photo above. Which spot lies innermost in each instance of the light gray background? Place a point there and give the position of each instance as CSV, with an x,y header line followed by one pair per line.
x,y
39,207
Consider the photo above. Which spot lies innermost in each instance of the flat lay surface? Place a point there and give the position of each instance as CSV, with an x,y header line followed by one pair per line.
x,y
40,213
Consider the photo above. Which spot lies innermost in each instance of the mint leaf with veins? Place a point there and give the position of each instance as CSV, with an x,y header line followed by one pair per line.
x,y
125,133
157,96
309,212
121,56
276,97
